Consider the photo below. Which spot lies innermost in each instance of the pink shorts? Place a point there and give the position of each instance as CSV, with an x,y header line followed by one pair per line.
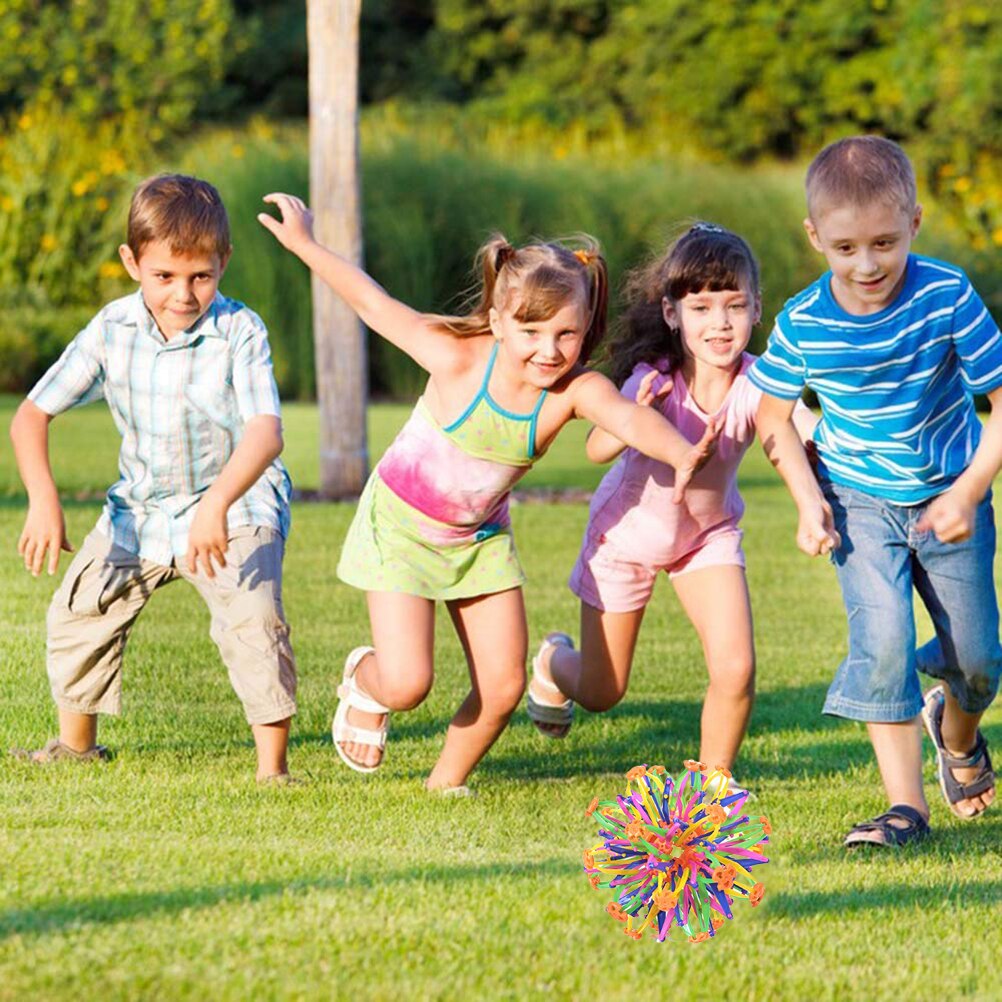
x,y
606,580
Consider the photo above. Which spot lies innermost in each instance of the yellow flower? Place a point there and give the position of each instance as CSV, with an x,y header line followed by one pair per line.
x,y
49,242
25,122
961,185
6,203
79,187
111,269
101,204
997,237
112,162
237,151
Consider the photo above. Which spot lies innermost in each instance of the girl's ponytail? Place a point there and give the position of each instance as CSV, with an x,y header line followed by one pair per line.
x,y
598,299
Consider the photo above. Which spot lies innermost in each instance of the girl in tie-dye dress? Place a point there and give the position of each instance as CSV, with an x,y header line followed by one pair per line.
x,y
432,522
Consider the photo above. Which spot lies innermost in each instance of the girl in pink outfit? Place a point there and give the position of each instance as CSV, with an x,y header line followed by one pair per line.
x,y
681,350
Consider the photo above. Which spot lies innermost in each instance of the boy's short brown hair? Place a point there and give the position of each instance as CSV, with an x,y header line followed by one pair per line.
x,y
858,171
184,212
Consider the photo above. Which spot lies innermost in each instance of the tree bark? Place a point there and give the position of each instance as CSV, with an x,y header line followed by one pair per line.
x,y
338,334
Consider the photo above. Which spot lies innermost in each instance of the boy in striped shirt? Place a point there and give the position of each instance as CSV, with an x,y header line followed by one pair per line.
x,y
895,345
201,494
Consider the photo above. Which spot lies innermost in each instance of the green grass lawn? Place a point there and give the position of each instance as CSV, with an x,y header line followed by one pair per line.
x,y
168,874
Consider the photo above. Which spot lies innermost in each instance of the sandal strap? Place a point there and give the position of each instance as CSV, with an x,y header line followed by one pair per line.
x,y
953,789
905,811
972,758
361,735
550,640
358,700
545,713
916,827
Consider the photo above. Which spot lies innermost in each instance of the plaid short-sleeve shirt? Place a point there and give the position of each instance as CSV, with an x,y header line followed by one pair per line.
x,y
180,406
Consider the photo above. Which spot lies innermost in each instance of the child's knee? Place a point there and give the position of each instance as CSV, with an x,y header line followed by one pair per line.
x,y
600,700
505,695
404,692
734,678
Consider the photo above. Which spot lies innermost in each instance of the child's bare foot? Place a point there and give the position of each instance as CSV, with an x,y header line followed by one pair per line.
x,y
548,708
360,723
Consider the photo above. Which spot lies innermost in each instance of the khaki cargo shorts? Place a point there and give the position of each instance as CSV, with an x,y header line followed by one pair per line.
x,y
105,589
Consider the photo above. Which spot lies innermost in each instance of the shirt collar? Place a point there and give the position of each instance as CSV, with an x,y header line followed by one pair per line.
x,y
207,324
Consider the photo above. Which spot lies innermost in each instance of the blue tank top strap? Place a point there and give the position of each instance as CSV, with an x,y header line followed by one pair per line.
x,y
497,429
532,424
490,368
480,395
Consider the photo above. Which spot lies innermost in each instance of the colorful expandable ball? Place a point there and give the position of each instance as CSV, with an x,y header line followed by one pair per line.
x,y
676,854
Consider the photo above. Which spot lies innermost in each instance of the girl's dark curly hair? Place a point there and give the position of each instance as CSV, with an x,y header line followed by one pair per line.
x,y
705,257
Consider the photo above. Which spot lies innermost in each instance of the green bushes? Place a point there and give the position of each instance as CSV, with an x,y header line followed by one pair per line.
x,y
161,60
741,81
428,209
428,205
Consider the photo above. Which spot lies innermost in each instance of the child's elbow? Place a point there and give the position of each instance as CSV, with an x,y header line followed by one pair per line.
x,y
276,443
21,420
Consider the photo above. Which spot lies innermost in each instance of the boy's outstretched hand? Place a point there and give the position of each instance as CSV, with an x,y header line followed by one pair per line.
x,y
295,228
44,530
696,458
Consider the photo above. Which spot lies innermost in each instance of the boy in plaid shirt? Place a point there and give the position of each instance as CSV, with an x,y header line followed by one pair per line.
x,y
201,495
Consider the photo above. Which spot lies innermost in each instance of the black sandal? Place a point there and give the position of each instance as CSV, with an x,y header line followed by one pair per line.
x,y
880,831
953,790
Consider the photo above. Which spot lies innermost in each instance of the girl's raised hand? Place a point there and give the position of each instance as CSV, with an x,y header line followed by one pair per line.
x,y
646,395
295,228
696,458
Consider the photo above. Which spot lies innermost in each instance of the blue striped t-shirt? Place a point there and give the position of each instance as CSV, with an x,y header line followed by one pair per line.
x,y
895,387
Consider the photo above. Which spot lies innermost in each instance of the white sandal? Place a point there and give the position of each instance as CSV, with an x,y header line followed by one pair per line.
x,y
352,698
560,715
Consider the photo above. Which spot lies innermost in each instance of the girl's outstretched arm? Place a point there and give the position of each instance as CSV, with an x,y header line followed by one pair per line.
x,y
597,400
603,447
402,326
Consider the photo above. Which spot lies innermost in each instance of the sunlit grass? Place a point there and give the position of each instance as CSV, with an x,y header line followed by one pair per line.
x,y
167,874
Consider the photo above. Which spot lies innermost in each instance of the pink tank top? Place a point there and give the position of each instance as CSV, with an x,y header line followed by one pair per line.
x,y
461,475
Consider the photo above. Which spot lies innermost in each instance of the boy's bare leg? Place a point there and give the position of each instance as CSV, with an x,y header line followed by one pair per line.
x,y
960,734
494,636
272,742
77,730
898,748
716,601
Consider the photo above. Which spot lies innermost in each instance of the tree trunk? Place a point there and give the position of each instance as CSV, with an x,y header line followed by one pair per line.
x,y
338,335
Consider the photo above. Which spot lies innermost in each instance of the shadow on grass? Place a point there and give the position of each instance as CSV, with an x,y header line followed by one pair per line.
x,y
60,915
926,896
667,732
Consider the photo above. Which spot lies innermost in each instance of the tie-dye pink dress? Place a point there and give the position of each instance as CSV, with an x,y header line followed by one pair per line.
x,y
433,518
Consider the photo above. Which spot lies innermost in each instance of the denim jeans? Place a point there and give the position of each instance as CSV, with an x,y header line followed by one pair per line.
x,y
882,558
